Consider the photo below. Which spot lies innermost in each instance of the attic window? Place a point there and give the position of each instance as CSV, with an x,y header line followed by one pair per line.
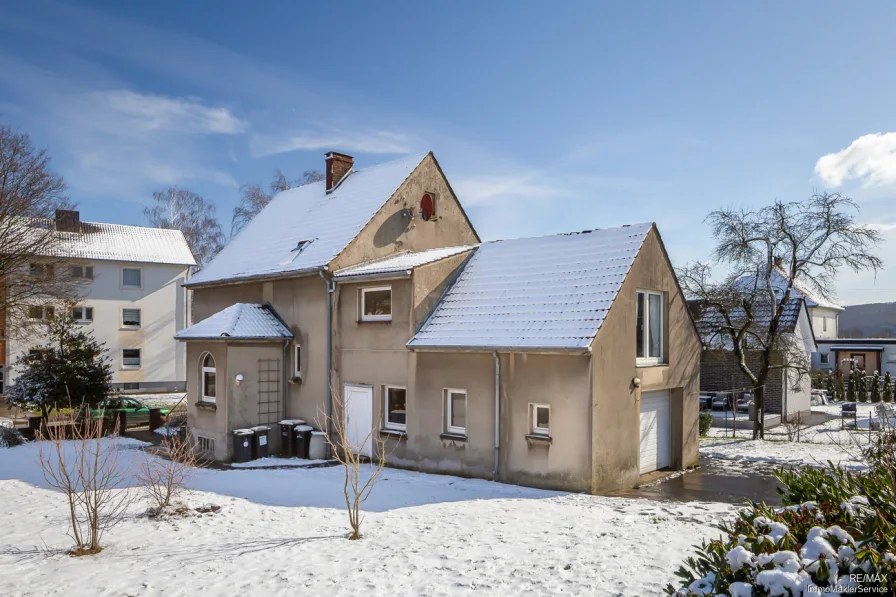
x,y
301,245
427,207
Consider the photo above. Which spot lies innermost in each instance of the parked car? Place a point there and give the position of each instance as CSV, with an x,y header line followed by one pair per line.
x,y
137,413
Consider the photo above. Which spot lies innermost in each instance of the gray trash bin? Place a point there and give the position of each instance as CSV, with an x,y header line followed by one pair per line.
x,y
261,441
287,437
302,434
243,440
317,449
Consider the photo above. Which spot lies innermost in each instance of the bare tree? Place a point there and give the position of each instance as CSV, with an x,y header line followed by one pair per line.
x,y
164,475
85,467
346,441
766,252
254,198
37,278
184,210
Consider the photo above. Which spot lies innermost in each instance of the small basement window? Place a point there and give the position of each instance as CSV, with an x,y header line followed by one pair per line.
x,y
205,444
376,304
395,408
456,411
428,206
541,419
131,358
82,314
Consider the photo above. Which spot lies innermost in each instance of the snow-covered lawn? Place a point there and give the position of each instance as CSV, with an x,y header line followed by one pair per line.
x,y
281,532
782,452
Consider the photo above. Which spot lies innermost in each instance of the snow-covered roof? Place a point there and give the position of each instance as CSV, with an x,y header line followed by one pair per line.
x,y
799,289
117,242
242,321
550,292
276,240
401,262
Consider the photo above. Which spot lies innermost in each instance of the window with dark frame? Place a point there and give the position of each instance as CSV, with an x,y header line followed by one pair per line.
x,y
395,408
824,358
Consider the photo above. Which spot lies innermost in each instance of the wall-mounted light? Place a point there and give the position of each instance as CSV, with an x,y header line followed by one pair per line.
x,y
636,382
238,379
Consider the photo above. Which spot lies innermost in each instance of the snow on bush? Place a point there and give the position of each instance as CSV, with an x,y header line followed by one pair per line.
x,y
836,534
10,437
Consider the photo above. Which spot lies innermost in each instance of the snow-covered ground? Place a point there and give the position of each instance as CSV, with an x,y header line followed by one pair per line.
x,y
282,532
782,452
159,400
273,461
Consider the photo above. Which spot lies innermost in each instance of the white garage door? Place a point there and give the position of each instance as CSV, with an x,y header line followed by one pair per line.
x,y
656,431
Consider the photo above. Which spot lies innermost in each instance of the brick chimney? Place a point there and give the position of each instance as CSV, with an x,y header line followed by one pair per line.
x,y
68,220
338,165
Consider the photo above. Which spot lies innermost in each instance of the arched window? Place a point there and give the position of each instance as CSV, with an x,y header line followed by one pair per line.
x,y
208,377
427,207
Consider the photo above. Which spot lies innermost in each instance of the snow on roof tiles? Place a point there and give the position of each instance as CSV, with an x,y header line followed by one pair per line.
x,y
269,245
401,262
799,289
116,242
711,323
239,321
550,292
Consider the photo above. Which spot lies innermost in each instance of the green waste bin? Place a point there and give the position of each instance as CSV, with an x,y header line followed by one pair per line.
x,y
261,441
302,434
287,437
243,440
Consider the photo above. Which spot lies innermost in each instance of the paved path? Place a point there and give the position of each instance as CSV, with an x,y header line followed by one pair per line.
x,y
715,481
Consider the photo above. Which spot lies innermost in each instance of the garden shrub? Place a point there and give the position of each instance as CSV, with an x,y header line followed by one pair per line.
x,y
9,437
875,387
837,530
888,388
705,423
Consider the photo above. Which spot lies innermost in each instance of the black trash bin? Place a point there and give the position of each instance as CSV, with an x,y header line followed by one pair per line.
x,y
302,439
261,441
243,440
287,437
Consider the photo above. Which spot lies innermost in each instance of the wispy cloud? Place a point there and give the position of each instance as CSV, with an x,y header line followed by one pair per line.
x,y
477,190
364,141
159,113
870,159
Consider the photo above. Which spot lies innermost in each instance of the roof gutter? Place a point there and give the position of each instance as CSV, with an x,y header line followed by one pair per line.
x,y
571,350
235,339
256,277
396,275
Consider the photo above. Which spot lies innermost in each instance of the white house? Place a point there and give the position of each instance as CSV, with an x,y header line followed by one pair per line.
x,y
133,300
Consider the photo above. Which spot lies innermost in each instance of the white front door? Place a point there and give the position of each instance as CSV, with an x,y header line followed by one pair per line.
x,y
656,431
359,417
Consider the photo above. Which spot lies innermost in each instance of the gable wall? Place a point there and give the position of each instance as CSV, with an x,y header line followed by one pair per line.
x,y
392,230
615,399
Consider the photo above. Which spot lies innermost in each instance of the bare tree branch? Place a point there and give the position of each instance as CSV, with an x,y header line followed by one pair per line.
x,y
184,210
253,198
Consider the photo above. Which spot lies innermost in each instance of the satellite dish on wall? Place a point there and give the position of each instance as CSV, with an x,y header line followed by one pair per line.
x,y
427,207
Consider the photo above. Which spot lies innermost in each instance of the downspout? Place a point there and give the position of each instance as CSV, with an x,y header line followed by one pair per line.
x,y
497,410
331,287
285,379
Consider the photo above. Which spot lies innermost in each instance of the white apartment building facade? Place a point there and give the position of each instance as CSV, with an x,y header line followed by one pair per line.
x,y
133,300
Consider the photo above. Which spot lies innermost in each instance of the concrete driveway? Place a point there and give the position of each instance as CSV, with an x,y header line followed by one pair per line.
x,y
731,482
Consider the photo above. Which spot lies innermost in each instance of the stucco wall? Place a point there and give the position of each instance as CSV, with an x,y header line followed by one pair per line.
x,y
616,412
392,230
824,329
162,304
203,421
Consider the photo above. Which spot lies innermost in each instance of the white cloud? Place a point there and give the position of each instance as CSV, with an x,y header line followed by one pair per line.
x,y
363,141
870,159
495,188
158,112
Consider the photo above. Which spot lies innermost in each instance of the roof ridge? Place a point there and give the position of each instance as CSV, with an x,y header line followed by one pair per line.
x,y
573,233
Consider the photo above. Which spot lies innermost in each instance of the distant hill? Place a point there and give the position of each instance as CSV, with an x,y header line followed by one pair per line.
x,y
875,320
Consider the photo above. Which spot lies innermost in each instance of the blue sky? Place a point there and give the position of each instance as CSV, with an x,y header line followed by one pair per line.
x,y
547,117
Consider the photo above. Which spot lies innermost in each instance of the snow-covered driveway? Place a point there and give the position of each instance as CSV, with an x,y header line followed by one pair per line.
x,y
281,532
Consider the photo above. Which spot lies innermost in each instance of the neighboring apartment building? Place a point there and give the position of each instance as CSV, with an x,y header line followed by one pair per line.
x,y
866,354
133,299
566,362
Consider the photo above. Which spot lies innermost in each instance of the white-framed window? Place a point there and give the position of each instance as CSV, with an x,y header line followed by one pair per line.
x,y
82,314
891,357
82,271
205,444
395,408
455,411
649,328
540,417
376,304
824,358
131,358
297,359
131,277
39,313
209,376
41,270
131,318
